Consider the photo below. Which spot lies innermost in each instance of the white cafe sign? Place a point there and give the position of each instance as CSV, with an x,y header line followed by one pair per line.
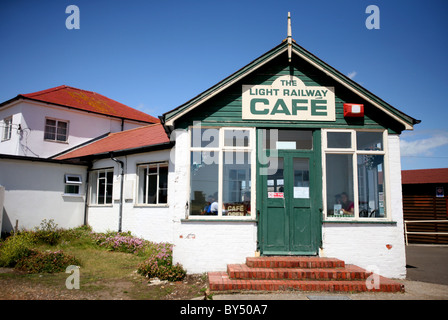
x,y
288,98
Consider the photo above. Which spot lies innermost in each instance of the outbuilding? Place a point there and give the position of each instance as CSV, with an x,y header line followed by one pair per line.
x,y
287,156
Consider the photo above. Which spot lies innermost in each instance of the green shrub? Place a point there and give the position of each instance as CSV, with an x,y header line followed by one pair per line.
x,y
172,272
15,247
160,264
46,262
48,232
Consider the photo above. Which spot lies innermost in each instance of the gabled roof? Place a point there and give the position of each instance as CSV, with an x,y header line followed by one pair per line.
x,y
424,176
170,117
128,141
86,101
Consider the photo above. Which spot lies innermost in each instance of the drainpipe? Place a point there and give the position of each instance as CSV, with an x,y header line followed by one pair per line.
x,y
87,200
120,214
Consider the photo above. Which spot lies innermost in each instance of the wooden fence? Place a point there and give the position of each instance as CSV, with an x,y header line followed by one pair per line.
x,y
431,209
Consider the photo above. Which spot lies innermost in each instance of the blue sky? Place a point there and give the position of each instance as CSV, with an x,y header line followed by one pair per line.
x,y
156,55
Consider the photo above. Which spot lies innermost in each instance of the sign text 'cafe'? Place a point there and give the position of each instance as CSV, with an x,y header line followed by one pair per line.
x,y
288,98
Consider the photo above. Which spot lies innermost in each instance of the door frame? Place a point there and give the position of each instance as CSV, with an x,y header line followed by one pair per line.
x,y
315,157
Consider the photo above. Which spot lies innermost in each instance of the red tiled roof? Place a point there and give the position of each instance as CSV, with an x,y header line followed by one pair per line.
x,y
424,176
146,136
88,101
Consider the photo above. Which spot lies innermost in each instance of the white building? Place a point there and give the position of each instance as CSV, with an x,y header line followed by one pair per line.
x,y
45,123
275,148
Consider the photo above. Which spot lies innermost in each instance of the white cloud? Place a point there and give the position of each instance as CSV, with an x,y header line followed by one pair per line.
x,y
145,109
423,146
352,74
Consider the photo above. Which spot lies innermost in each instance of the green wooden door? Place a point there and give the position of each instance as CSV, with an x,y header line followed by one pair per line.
x,y
290,215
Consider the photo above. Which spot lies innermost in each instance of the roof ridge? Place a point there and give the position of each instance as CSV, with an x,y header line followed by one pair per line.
x,y
133,129
41,92
90,101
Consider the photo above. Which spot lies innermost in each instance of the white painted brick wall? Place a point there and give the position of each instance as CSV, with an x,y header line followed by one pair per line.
x,y
210,246
204,246
151,223
366,244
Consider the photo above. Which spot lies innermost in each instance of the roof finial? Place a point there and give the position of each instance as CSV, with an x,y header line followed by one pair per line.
x,y
289,37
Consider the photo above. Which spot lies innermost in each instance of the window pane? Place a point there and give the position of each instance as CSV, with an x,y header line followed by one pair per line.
x,y
101,190
371,186
339,176
70,178
204,184
236,138
93,187
275,179
301,178
163,177
7,122
71,189
369,140
236,183
110,181
163,184
152,189
62,131
163,196
50,129
339,140
289,139
205,137
142,173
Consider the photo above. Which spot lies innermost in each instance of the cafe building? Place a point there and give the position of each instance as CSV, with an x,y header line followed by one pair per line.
x,y
286,156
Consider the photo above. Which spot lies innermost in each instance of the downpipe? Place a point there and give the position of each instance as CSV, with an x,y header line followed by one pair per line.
x,y
120,213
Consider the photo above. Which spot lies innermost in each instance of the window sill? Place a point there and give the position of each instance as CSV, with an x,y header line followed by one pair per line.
x,y
101,205
57,141
361,221
73,195
218,220
151,205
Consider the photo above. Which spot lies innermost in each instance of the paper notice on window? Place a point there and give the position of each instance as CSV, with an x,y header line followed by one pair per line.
x,y
301,192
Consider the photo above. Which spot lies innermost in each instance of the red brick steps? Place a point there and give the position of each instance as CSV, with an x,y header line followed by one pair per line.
x,y
297,273
293,262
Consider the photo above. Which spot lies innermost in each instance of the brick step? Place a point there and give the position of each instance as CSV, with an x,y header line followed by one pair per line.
x,y
349,272
294,262
220,281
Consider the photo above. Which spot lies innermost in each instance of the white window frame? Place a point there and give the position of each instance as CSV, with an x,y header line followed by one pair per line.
x,y
221,148
7,128
354,152
147,165
56,130
69,181
97,172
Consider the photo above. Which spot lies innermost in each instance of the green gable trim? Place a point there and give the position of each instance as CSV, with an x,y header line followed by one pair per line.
x,y
355,86
186,110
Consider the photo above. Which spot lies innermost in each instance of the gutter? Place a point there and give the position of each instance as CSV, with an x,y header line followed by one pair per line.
x,y
120,212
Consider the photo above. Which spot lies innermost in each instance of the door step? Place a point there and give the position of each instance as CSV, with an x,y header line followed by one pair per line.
x,y
299,273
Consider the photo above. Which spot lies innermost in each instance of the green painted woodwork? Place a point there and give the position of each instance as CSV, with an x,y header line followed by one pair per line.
x,y
290,225
224,109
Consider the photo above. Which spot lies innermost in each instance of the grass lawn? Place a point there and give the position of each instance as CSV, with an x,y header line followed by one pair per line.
x,y
103,274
